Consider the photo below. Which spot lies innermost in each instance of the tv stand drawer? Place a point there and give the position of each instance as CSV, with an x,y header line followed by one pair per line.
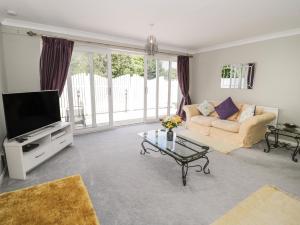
x,y
61,143
33,158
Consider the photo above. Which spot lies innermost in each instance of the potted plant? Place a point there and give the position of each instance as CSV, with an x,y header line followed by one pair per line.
x,y
170,123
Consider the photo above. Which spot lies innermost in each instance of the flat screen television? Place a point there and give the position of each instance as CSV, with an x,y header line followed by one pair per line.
x,y
30,111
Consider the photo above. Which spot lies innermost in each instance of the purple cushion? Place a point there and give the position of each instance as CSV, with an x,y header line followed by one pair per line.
x,y
226,109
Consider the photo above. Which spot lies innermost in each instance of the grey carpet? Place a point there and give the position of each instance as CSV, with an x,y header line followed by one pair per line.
x,y
129,189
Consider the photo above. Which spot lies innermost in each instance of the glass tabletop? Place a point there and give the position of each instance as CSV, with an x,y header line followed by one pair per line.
x,y
282,127
180,146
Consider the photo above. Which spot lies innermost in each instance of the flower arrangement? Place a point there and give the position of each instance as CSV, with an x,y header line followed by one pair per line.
x,y
171,122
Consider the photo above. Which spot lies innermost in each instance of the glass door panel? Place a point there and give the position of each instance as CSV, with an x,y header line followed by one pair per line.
x,y
151,89
101,89
163,91
127,88
81,90
174,88
64,104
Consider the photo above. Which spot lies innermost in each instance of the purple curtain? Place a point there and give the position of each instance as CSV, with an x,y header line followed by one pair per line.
x,y
54,63
183,80
250,77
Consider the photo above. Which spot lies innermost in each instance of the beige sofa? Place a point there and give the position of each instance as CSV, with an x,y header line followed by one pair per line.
x,y
243,134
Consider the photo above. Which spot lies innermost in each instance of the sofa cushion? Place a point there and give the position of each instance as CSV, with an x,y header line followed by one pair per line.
x,y
247,112
234,117
203,120
214,113
206,108
227,125
226,109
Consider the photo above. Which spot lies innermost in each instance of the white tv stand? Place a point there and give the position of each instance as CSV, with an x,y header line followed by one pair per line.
x,y
50,140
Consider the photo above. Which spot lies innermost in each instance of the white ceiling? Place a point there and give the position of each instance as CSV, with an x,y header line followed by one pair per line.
x,y
188,24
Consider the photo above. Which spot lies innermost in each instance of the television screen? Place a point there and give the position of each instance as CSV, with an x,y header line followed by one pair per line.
x,y
26,112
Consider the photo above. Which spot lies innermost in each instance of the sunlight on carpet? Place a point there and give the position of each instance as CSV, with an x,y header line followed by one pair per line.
x,y
267,206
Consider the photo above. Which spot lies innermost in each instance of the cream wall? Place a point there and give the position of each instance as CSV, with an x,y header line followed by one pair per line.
x,y
2,89
19,67
277,77
21,59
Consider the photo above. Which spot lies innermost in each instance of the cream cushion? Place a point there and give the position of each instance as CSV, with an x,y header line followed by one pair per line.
x,y
203,120
247,113
206,108
227,125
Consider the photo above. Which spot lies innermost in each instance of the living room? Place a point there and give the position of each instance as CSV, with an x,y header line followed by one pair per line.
x,y
153,112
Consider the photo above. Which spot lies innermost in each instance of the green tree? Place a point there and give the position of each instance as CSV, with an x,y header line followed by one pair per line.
x,y
122,64
100,65
151,69
79,63
125,64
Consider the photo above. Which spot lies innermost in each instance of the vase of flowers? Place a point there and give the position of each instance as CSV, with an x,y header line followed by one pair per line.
x,y
170,123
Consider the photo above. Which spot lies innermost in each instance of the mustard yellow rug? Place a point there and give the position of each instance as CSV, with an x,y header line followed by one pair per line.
x,y
216,144
267,206
60,202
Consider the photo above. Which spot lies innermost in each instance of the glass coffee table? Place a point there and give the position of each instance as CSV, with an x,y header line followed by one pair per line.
x,y
181,149
280,130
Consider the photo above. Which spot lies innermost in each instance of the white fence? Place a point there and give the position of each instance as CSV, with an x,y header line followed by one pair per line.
x,y
127,91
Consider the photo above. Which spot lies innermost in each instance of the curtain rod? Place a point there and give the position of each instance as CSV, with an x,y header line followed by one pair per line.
x,y
33,34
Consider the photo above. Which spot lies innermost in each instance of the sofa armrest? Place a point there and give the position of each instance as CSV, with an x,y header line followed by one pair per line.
x,y
256,122
190,111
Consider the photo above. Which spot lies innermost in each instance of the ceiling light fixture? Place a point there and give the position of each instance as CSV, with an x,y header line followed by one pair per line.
x,y
151,46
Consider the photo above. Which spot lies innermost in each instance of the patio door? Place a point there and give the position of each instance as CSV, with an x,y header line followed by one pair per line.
x,y
105,89
127,88
86,99
161,88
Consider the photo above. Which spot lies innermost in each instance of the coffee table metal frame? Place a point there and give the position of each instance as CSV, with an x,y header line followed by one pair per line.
x,y
181,160
278,131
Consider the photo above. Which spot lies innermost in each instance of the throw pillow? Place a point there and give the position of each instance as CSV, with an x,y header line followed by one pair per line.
x,y
226,109
206,108
247,113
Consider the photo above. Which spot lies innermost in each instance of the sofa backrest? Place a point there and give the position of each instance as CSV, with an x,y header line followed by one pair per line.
x,y
271,110
234,117
258,111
